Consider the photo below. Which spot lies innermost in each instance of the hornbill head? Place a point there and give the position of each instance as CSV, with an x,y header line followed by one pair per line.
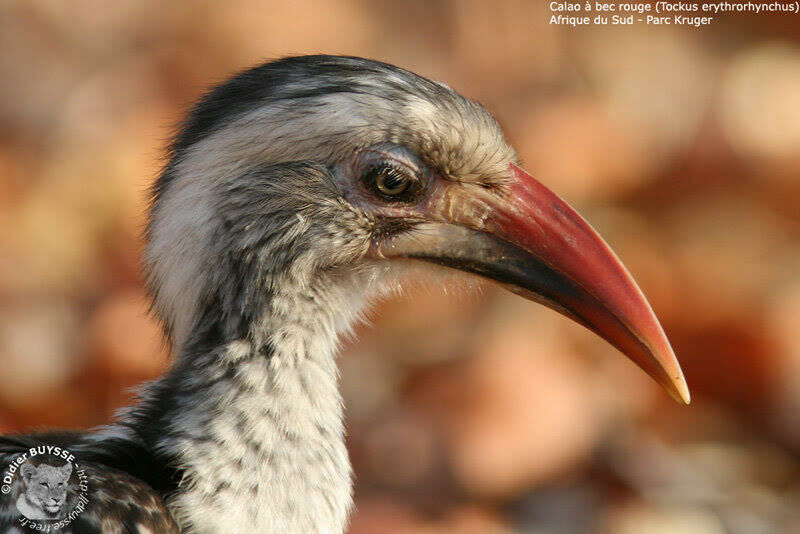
x,y
307,170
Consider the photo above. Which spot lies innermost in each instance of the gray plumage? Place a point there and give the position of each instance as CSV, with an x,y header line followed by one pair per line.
x,y
257,261
294,194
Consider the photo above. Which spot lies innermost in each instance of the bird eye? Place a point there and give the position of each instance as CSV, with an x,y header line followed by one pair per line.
x,y
391,184
389,181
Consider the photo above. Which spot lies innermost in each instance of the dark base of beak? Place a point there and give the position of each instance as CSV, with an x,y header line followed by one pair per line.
x,y
523,273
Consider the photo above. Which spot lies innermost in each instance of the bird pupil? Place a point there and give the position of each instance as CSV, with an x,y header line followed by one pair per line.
x,y
389,181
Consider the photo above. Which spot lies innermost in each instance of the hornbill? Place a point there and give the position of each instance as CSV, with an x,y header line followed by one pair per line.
x,y
295,193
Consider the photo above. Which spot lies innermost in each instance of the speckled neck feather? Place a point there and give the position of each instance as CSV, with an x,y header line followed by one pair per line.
x,y
253,426
256,263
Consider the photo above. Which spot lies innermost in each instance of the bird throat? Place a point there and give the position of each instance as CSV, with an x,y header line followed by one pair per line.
x,y
254,426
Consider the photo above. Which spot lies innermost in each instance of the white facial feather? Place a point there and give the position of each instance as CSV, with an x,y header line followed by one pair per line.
x,y
336,124
258,435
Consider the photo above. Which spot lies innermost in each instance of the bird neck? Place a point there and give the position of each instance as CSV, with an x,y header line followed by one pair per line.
x,y
254,425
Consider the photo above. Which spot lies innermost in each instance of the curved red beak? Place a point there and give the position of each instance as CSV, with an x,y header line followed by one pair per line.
x,y
537,246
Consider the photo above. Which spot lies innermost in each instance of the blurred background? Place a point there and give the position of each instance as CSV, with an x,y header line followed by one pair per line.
x,y
467,412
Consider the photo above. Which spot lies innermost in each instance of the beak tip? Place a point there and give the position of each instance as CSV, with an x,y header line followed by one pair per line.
x,y
683,392
679,390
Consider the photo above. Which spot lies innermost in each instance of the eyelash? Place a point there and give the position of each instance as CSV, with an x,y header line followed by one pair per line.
x,y
381,171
